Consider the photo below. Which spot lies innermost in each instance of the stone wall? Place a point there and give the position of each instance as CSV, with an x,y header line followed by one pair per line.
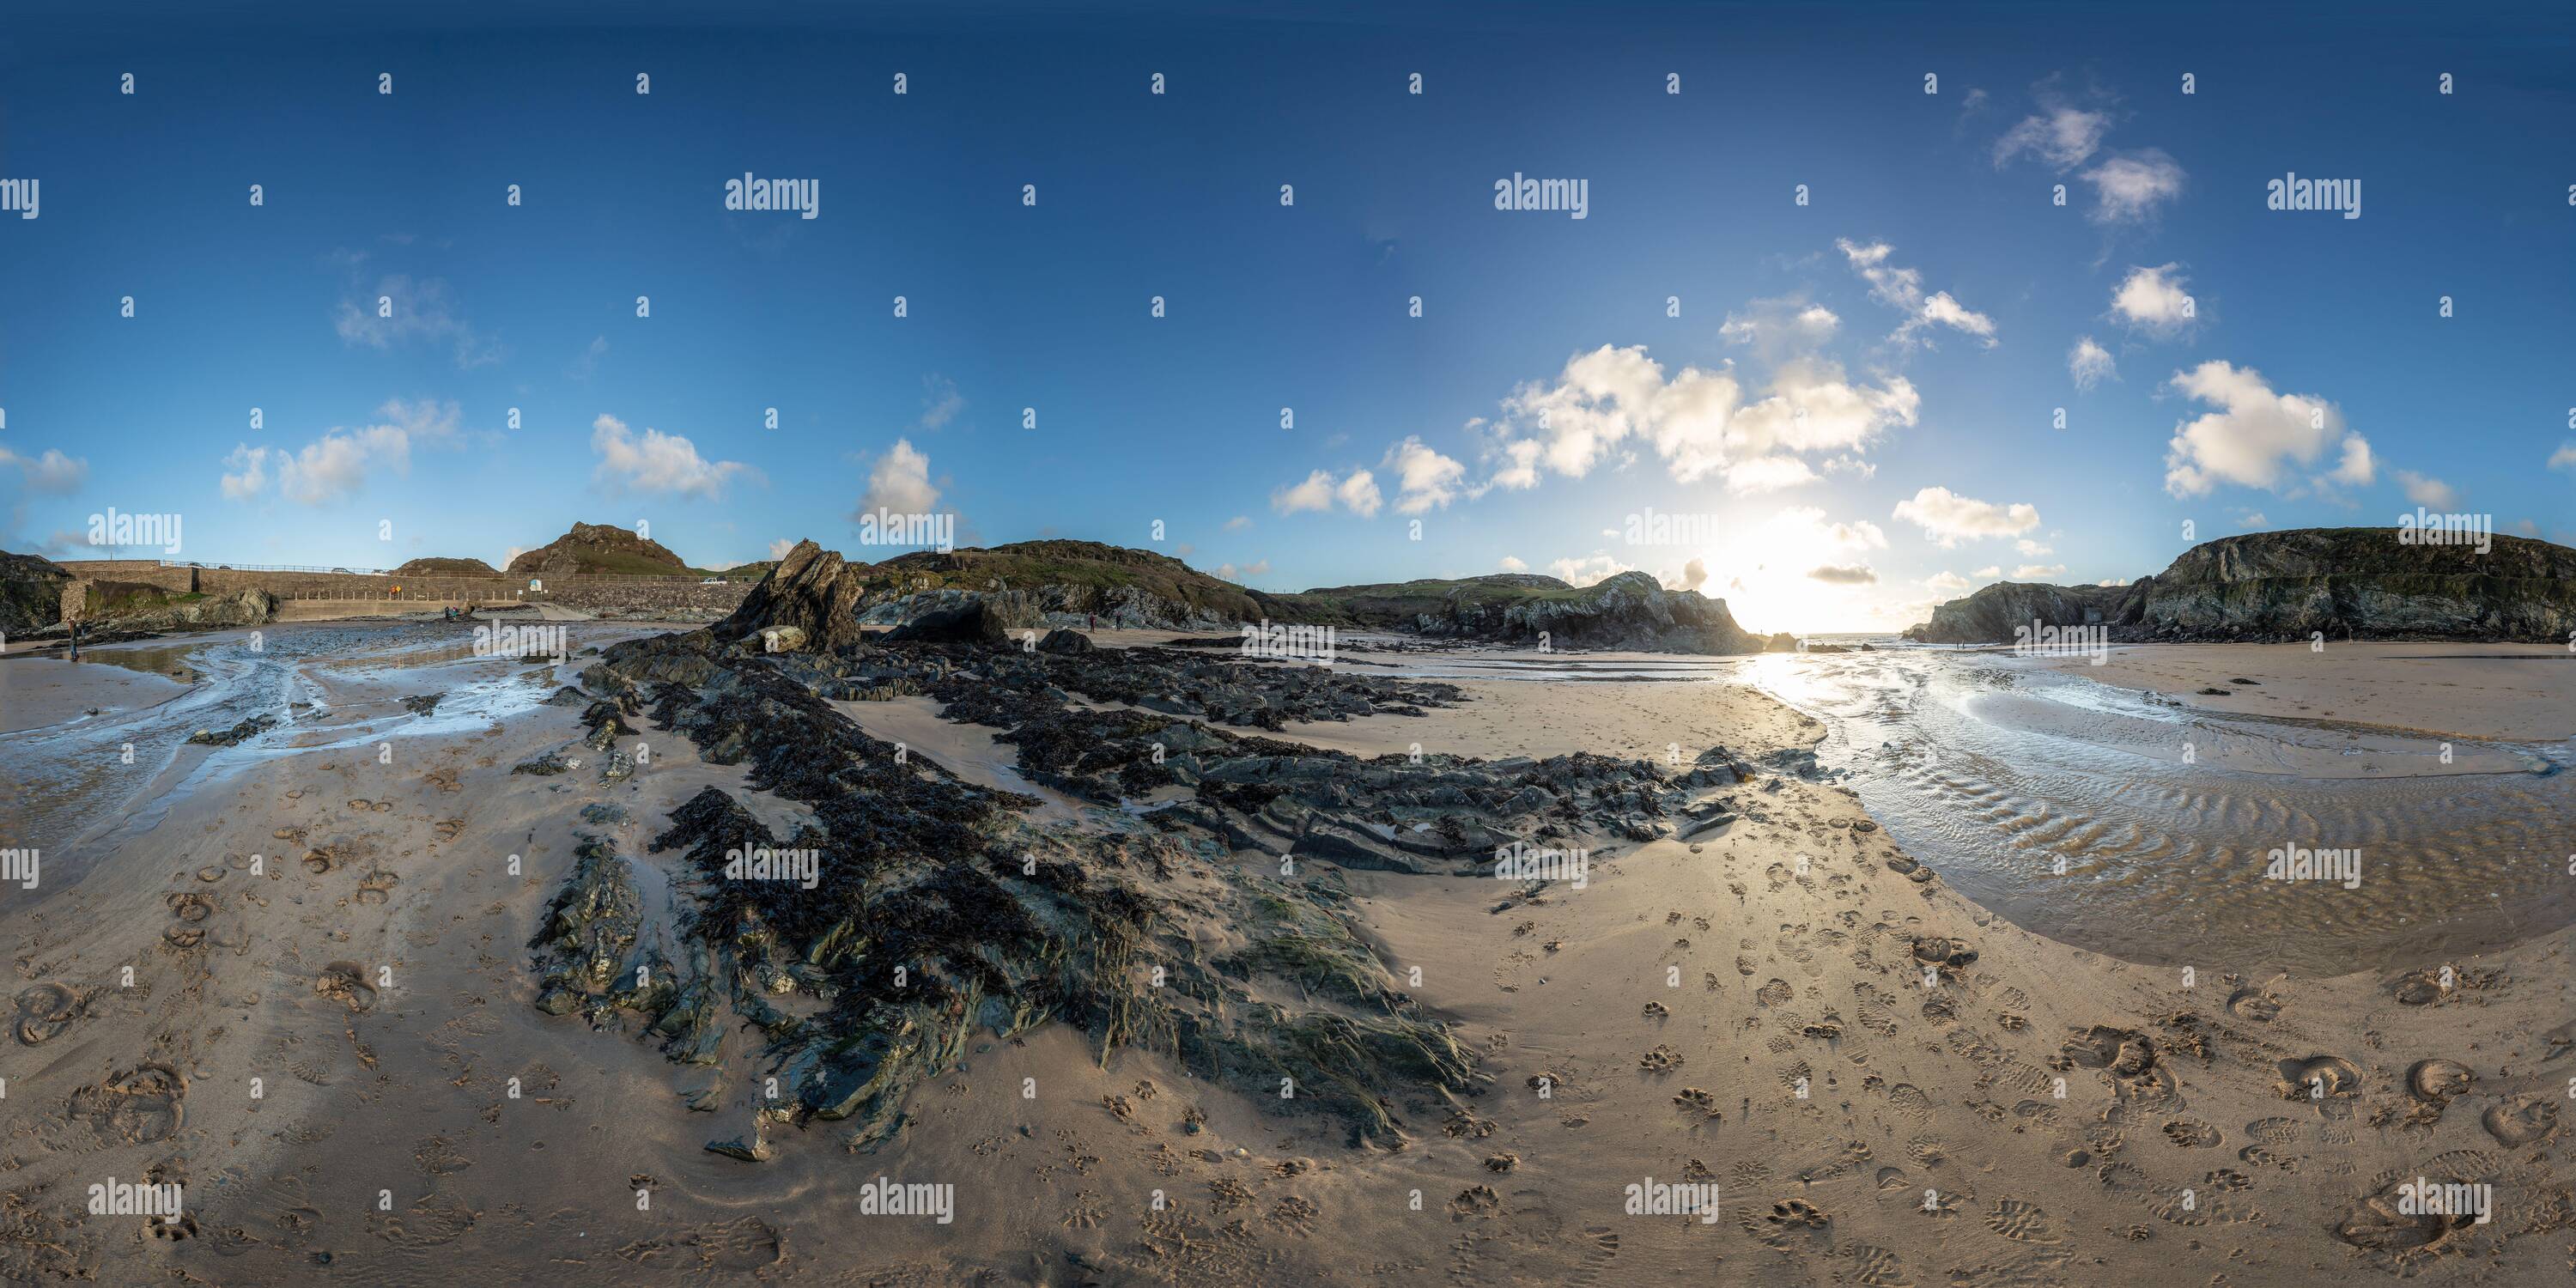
x,y
677,596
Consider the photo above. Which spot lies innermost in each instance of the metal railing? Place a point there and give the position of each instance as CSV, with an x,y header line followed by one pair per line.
x,y
589,578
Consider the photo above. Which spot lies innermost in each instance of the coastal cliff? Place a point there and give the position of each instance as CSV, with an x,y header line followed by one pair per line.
x,y
2344,583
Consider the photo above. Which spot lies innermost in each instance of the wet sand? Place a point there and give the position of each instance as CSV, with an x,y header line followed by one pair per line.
x,y
1889,1084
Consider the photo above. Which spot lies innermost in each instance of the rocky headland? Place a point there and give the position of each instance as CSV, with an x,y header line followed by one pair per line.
x,y
2342,583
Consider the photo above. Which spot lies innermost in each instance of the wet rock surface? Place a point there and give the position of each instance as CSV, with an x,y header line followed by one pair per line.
x,y
939,908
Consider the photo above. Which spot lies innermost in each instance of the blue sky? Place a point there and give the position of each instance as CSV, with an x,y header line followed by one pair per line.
x,y
1851,417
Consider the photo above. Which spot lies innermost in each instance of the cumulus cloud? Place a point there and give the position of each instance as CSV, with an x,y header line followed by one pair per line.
x,y
50,473
2153,300
2129,186
1948,518
778,549
2431,493
1425,479
2564,458
657,463
1356,492
1694,575
1700,423
899,483
336,466
1844,574
1948,583
2038,572
2031,549
1588,570
1229,572
1987,572
1902,289
1513,563
2090,364
2255,435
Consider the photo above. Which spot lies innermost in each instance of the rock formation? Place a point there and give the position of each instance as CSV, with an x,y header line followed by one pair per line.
x,y
2344,583
1628,611
31,593
598,548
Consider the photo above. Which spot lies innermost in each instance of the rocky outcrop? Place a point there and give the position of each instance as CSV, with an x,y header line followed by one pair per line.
x,y
812,591
1067,583
1991,614
120,609
1628,611
598,548
31,593
2342,583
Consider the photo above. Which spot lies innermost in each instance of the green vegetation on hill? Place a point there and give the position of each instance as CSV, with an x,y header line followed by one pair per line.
x,y
437,566
1029,565
594,549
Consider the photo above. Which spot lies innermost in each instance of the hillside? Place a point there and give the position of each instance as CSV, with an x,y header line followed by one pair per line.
x,y
1629,611
592,548
2344,583
436,566
1074,577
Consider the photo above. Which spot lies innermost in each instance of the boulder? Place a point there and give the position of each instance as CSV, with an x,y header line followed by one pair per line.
x,y
812,592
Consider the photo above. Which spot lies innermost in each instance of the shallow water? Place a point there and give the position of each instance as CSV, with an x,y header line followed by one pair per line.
x,y
2141,828
79,786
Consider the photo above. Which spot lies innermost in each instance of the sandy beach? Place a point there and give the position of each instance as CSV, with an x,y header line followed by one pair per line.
x,y
328,1035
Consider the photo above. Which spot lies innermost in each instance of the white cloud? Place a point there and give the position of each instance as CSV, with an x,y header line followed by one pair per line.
x,y
940,401
51,473
1425,479
1357,492
2255,434
2031,549
1694,575
2564,458
1949,518
400,309
1947,582
2254,520
248,473
1781,327
1902,289
1231,573
1989,572
2090,363
1316,493
2153,300
336,466
2061,136
2431,493
899,483
657,462
1513,563
1700,423
779,549
2128,186
1860,534
1844,574
1238,523
1588,570
2038,572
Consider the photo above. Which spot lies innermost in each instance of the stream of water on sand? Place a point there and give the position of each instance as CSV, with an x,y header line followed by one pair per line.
x,y
2133,825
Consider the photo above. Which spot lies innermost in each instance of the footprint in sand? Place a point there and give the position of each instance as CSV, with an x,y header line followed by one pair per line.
x,y
2022,1221
44,1011
376,887
2439,1081
2254,1004
2521,1121
138,1106
2319,1078
347,981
